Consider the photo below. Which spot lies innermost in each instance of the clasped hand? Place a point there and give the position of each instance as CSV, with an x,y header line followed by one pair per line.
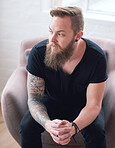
x,y
61,131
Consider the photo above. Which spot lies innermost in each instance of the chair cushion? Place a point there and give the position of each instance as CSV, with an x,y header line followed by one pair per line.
x,y
27,52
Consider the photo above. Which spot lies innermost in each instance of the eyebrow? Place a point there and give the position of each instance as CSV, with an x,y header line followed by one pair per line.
x,y
58,30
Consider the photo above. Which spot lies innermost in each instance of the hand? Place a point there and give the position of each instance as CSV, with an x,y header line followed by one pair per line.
x,y
61,131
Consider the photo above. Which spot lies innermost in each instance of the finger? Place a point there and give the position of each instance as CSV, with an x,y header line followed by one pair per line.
x,y
58,140
65,142
65,136
55,138
56,123
63,122
64,130
54,132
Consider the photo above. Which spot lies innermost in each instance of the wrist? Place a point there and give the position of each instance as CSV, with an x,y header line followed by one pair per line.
x,y
76,128
47,125
73,133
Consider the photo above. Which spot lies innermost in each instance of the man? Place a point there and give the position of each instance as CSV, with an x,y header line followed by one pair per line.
x,y
66,82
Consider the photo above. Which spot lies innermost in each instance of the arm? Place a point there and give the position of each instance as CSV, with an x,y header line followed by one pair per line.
x,y
36,86
89,113
56,127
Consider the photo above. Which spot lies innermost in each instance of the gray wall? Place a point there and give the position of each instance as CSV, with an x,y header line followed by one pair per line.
x,y
21,19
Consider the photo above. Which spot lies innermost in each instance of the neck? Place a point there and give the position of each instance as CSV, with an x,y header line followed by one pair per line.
x,y
80,47
70,65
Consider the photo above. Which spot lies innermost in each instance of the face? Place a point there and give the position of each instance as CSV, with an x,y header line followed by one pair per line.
x,y
60,33
61,42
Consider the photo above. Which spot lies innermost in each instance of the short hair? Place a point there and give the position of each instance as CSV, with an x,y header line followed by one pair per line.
x,y
75,14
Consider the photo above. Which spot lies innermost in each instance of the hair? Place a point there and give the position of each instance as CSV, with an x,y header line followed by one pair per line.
x,y
75,14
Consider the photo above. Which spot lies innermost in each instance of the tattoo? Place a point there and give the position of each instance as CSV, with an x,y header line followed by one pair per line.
x,y
36,87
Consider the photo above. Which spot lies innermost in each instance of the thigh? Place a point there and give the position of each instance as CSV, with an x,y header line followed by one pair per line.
x,y
94,134
30,132
29,125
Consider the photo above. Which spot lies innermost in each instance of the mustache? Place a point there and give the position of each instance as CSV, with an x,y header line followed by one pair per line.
x,y
49,44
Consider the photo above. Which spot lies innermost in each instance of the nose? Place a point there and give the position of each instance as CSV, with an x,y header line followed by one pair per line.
x,y
53,38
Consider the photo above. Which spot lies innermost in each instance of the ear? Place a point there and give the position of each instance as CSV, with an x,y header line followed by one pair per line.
x,y
78,35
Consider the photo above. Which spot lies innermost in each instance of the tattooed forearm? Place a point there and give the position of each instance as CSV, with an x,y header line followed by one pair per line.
x,y
36,88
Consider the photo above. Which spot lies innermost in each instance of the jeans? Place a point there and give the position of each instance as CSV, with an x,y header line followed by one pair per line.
x,y
94,134
30,131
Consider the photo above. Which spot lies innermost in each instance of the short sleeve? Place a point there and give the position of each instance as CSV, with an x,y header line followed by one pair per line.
x,y
99,73
35,62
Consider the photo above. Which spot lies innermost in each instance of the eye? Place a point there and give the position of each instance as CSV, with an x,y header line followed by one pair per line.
x,y
50,31
60,34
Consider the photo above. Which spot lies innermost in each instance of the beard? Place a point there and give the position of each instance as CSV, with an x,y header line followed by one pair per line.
x,y
56,60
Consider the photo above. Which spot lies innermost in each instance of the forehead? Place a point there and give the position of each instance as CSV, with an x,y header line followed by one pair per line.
x,y
61,23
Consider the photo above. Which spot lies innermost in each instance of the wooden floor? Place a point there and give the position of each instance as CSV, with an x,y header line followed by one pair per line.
x,y
6,140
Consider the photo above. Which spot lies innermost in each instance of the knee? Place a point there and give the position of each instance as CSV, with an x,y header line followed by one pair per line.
x,y
25,125
94,137
94,133
94,130
29,126
23,128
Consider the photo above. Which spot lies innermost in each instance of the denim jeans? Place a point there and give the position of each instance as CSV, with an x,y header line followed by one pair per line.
x,y
30,131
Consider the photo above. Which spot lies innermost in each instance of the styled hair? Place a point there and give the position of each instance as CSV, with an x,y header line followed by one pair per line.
x,y
75,14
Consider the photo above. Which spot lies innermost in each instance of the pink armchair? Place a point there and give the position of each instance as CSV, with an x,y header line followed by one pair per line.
x,y
14,97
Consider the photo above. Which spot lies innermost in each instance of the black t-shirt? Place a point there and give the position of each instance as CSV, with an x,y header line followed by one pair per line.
x,y
69,90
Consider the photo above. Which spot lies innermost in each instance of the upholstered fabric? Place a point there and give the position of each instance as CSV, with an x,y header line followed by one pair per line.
x,y
14,97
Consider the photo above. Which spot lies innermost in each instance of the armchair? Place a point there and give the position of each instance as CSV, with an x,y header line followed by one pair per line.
x,y
14,97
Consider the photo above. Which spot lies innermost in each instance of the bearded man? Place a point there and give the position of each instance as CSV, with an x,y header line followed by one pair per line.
x,y
66,82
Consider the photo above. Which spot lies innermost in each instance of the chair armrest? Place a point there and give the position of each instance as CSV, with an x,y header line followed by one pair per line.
x,y
109,98
14,101
109,109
